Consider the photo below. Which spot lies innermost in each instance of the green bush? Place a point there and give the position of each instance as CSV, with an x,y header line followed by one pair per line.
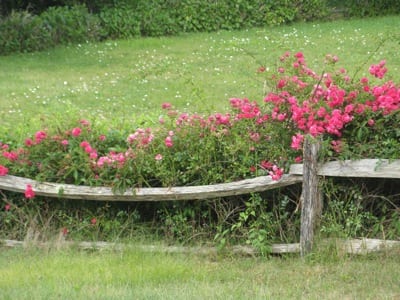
x,y
193,16
362,8
308,10
120,22
212,15
157,17
22,32
71,24
367,8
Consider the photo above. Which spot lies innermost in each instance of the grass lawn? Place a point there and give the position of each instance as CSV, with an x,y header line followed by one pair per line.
x,y
133,274
126,81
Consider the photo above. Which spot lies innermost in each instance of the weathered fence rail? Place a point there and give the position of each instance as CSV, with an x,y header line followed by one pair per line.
x,y
69,191
351,246
369,168
359,168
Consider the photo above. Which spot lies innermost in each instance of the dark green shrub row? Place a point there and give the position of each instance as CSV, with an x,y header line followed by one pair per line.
x,y
70,25
22,31
364,8
37,7
167,17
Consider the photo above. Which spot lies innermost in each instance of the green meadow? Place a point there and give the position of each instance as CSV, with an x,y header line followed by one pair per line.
x,y
127,80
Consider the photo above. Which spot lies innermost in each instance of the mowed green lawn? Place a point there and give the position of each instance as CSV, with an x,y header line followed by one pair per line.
x,y
126,81
133,274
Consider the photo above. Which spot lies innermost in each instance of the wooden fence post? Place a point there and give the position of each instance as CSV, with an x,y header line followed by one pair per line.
x,y
311,198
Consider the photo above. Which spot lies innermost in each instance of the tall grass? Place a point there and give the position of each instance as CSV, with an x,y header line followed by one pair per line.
x,y
133,274
126,81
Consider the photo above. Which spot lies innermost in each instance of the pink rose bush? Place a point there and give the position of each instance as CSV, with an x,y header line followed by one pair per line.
x,y
252,138
331,105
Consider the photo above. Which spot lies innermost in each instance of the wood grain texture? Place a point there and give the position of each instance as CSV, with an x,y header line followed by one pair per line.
x,y
373,168
353,246
69,191
311,199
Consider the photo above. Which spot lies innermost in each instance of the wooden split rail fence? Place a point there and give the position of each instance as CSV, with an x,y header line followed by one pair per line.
x,y
306,173
361,168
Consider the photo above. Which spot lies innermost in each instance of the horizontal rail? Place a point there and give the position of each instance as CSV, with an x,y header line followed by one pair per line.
x,y
69,191
369,168
351,246
373,168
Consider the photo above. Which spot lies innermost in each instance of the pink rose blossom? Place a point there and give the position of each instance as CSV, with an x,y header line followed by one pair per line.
x,y
266,165
255,136
276,173
261,69
337,146
84,144
297,141
88,149
11,156
85,122
29,193
168,142
76,131
28,142
3,170
166,105
40,136
298,159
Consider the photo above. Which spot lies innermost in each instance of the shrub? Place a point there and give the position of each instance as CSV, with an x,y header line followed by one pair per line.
x,y
35,7
211,15
309,10
197,16
120,22
23,32
157,17
365,8
70,24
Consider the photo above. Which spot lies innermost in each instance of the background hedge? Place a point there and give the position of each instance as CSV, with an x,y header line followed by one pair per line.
x,y
29,26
